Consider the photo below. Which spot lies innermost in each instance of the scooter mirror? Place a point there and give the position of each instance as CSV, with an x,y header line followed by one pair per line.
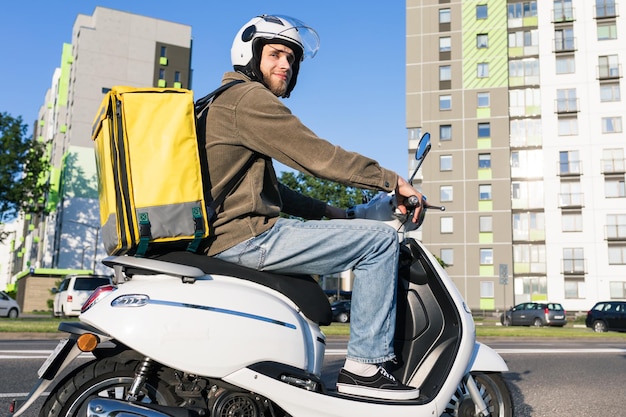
x,y
423,147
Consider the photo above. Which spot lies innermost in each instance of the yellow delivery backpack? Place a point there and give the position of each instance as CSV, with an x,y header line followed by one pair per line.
x,y
151,163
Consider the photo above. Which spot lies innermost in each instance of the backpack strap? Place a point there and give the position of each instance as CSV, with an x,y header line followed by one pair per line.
x,y
201,109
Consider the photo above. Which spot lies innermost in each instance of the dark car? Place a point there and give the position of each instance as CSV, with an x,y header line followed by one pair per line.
x,y
607,315
535,314
341,311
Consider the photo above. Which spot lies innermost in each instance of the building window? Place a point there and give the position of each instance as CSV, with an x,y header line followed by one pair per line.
x,y
482,70
445,73
564,39
572,221
573,261
481,11
616,226
610,92
608,66
617,290
484,192
522,9
482,41
445,102
445,44
571,194
486,289
444,15
569,163
484,160
566,101
607,31
486,256
565,64
445,132
528,226
614,187
445,193
563,10
485,224
574,287
568,126
617,256
483,100
484,130
524,38
447,256
605,8
446,225
611,125
613,161
445,163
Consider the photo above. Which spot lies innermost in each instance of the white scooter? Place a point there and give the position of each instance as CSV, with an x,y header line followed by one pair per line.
x,y
188,335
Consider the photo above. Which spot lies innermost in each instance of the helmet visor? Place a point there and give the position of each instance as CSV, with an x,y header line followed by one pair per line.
x,y
299,33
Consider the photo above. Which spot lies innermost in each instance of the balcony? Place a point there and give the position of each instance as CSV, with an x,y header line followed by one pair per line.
x,y
566,44
563,14
570,168
609,72
571,200
615,232
608,10
574,266
613,166
566,105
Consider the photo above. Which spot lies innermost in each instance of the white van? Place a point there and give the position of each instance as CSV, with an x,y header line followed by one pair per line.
x,y
8,306
74,291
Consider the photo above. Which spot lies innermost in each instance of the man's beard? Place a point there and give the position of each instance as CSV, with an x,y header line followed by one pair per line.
x,y
278,87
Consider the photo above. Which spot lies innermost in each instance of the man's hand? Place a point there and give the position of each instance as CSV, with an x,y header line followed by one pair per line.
x,y
404,190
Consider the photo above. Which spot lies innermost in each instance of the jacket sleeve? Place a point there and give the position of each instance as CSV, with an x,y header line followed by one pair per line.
x,y
267,126
299,205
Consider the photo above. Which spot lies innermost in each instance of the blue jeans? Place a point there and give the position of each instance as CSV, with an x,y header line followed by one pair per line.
x,y
367,247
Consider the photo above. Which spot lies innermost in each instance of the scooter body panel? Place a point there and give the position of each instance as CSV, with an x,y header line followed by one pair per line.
x,y
485,359
212,327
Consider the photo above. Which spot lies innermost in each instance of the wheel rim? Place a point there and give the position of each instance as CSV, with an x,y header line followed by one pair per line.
x,y
113,388
599,327
461,404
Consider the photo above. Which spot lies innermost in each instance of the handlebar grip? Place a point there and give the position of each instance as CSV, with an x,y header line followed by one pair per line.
x,y
413,202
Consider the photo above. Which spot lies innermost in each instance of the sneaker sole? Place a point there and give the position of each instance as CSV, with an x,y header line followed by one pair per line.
x,y
378,393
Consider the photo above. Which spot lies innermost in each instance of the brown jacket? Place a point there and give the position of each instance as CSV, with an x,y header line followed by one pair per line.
x,y
248,118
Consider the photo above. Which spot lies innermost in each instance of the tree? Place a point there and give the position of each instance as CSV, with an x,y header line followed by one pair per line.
x,y
331,192
23,164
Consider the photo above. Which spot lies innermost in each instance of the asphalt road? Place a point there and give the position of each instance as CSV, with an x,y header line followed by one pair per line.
x,y
569,378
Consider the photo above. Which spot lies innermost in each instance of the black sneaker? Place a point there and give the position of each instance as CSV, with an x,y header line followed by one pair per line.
x,y
381,385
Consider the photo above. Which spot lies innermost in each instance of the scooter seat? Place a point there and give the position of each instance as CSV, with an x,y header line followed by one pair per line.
x,y
303,290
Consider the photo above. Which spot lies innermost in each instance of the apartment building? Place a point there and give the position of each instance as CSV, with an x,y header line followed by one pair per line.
x,y
108,48
524,103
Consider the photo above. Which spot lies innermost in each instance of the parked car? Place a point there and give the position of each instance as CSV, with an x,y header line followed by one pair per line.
x,y
8,306
74,291
341,311
607,315
535,314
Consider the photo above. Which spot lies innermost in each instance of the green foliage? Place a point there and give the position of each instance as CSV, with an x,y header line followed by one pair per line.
x,y
331,192
23,164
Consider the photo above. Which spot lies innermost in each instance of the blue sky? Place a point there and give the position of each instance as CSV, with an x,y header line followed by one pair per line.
x,y
352,93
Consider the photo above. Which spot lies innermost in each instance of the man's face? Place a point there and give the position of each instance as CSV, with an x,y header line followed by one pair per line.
x,y
276,61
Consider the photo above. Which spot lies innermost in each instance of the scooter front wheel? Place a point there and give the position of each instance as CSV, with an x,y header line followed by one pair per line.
x,y
104,378
495,394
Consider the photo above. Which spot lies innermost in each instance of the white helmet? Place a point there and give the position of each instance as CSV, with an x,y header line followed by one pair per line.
x,y
245,53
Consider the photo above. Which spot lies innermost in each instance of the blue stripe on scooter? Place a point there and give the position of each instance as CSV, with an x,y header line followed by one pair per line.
x,y
223,311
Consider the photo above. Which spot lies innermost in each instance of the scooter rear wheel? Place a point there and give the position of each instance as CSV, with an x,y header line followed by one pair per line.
x,y
106,378
494,391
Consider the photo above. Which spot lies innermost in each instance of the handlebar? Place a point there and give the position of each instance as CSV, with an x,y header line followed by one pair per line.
x,y
413,203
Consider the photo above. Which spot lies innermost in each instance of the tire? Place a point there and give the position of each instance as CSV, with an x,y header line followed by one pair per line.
x,y
599,326
506,321
109,378
537,322
13,313
494,391
343,318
